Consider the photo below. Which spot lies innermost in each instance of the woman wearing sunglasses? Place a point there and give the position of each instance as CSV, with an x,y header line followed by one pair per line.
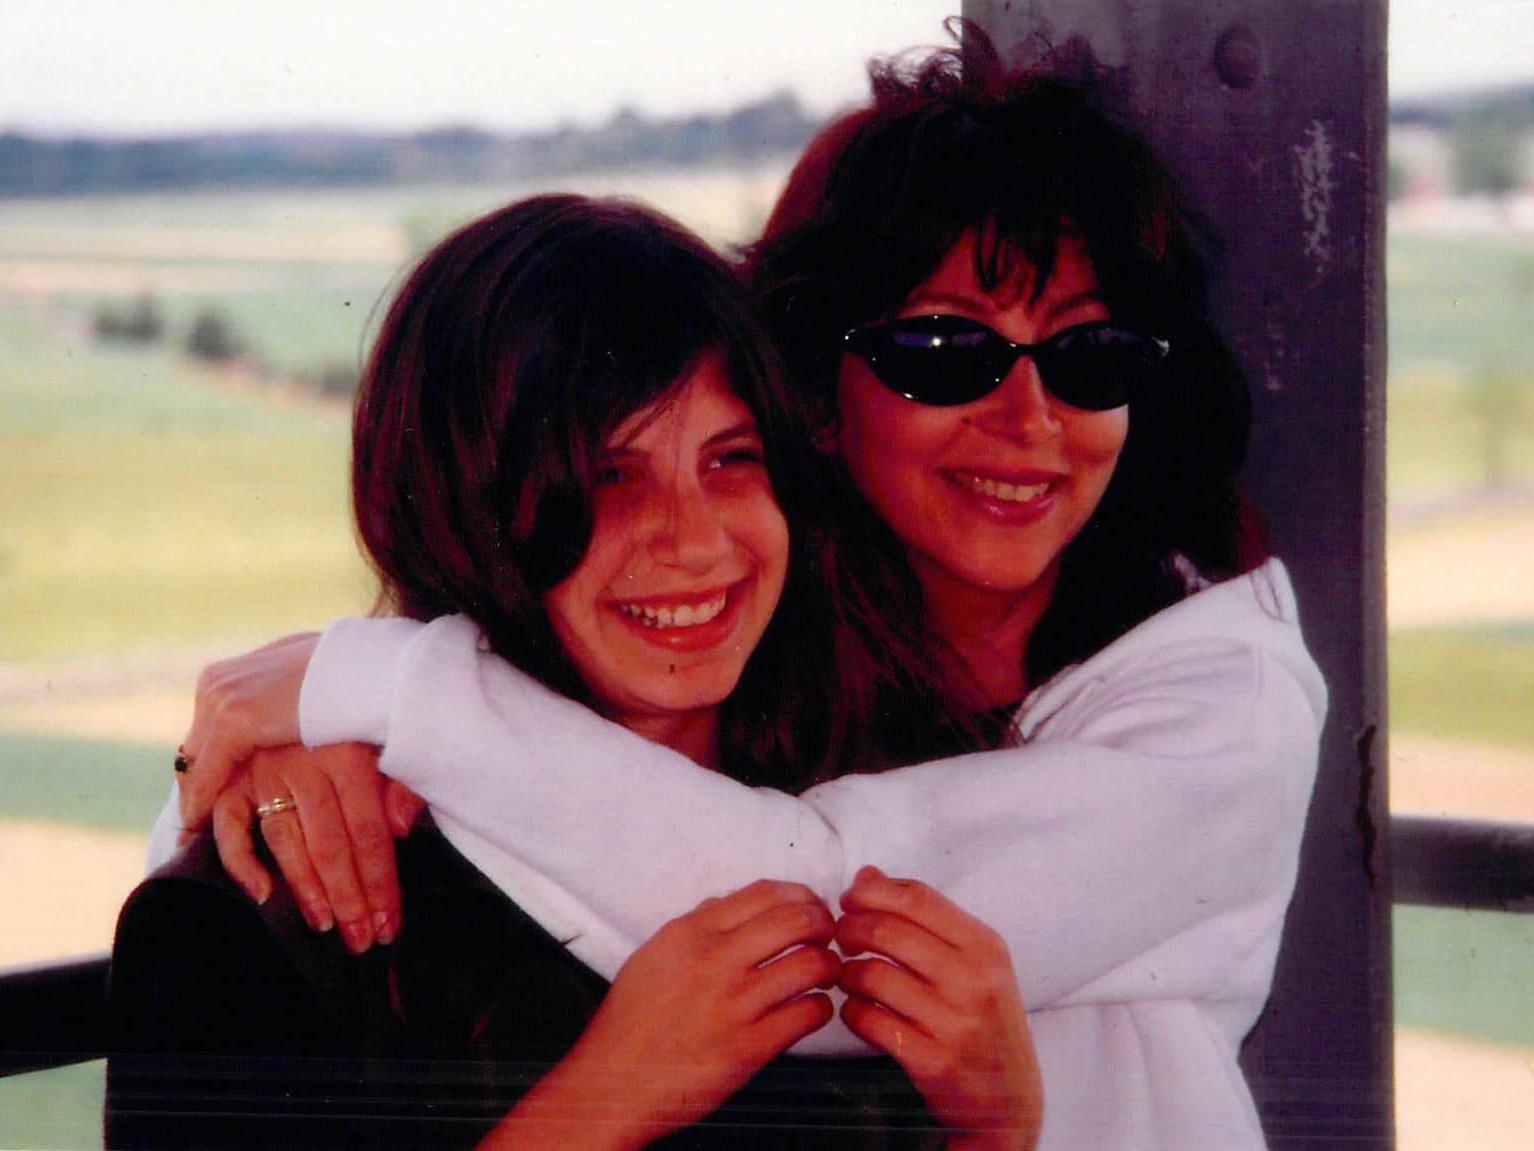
x,y
990,293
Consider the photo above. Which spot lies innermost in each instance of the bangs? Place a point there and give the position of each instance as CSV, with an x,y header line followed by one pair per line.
x,y
1017,160
606,330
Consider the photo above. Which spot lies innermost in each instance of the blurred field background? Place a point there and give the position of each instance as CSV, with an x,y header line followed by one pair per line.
x,y
158,509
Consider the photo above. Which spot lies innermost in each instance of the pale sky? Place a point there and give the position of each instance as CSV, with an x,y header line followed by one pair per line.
x,y
151,66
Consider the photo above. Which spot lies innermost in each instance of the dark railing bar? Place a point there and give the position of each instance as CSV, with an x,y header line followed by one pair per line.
x,y
52,1014
1477,865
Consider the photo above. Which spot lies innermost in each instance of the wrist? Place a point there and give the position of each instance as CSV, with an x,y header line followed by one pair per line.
x,y
579,1107
1013,1140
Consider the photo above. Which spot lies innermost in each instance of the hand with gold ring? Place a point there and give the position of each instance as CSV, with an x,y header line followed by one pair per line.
x,y
330,825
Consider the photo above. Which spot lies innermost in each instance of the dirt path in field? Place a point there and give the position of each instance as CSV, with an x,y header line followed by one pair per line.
x,y
61,886
1475,570
1456,1094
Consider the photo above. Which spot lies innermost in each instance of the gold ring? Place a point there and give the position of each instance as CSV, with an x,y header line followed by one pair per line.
x,y
276,806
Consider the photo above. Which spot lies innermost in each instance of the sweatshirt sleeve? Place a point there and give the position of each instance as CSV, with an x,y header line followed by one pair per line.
x,y
1142,844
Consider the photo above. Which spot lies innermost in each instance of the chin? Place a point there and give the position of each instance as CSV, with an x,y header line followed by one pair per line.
x,y
687,689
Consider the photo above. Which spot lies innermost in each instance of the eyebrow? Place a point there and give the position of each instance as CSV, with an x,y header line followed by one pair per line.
x,y
979,306
1071,303
967,303
745,429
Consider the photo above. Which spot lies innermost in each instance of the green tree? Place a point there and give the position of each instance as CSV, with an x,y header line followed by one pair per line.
x,y
1486,148
211,339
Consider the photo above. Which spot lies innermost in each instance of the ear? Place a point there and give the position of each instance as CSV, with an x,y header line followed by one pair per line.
x,y
825,428
824,439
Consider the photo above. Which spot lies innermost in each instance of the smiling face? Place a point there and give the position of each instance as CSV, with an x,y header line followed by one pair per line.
x,y
986,495
686,562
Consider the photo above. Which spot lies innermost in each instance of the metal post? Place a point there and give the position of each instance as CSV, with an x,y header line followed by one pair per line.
x,y
1272,113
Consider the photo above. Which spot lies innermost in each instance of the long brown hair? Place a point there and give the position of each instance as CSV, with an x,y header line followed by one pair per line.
x,y
505,361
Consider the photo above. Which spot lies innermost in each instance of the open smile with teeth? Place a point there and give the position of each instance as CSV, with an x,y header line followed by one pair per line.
x,y
1000,490
680,615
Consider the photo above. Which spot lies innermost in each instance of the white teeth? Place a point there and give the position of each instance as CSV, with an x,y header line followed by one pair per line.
x,y
1010,493
683,615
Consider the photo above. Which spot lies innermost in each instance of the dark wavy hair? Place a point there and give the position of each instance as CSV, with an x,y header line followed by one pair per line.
x,y
507,358
957,142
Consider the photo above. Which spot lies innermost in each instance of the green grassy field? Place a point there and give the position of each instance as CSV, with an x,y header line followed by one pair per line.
x,y
143,503
1461,364
1475,685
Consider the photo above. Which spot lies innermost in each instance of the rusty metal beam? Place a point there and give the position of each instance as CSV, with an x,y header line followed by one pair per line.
x,y
1272,113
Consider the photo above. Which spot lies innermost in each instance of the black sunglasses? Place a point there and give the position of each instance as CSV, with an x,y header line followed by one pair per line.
x,y
948,360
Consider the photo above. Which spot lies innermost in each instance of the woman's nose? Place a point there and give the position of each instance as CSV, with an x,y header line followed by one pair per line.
x,y
690,531
1021,407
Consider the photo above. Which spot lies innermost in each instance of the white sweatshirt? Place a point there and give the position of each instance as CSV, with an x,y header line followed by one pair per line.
x,y
1137,852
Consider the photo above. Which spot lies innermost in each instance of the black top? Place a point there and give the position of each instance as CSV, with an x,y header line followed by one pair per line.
x,y
236,1026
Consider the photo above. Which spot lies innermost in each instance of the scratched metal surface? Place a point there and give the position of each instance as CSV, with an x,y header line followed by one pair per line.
x,y
1272,112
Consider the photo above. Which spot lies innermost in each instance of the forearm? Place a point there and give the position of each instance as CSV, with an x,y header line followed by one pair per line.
x,y
563,1114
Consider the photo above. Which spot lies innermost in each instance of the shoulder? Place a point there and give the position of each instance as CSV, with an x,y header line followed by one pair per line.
x,y
1202,671
190,946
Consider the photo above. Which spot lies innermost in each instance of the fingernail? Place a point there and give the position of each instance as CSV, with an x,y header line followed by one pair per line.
x,y
867,872
262,890
318,915
383,927
357,937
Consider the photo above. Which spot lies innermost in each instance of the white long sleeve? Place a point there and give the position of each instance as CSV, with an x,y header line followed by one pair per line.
x,y
1141,845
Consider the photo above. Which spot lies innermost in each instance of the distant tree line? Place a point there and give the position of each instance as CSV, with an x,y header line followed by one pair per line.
x,y
210,338
42,166
1486,133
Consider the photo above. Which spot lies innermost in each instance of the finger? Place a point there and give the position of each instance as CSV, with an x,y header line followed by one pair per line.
x,y
284,837
782,1027
800,971
892,1034
232,817
213,763
895,937
738,907
402,806
872,890
775,930
285,840
893,988
353,769
325,838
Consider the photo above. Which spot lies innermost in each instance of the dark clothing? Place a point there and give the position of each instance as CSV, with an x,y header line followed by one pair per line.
x,y
236,1026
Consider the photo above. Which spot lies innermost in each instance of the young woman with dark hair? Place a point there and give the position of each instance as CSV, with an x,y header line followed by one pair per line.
x,y
992,298
573,431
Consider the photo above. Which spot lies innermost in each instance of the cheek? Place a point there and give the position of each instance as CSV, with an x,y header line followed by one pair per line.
x,y
571,603
1097,440
878,431
563,605
767,539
